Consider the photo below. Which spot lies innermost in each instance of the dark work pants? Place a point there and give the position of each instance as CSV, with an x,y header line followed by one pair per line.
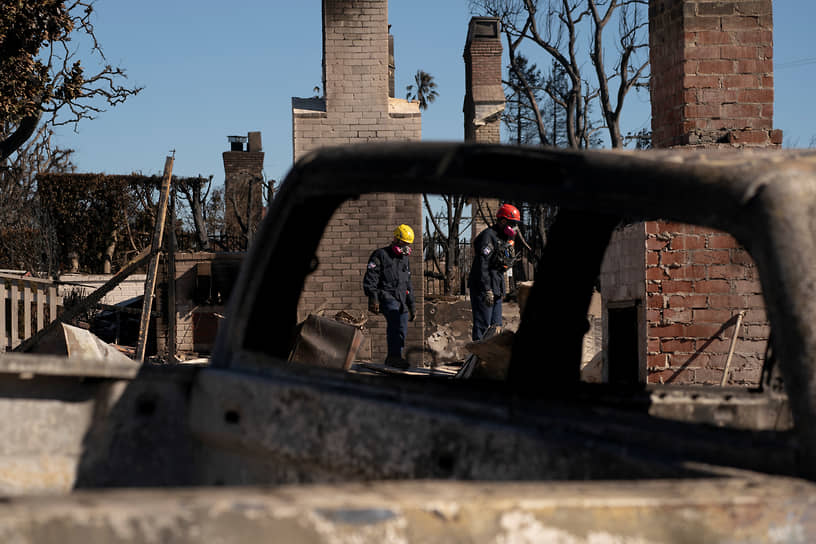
x,y
484,315
396,326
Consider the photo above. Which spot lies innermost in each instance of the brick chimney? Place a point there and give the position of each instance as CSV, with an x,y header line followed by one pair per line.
x,y
355,54
243,177
484,99
484,94
675,291
712,73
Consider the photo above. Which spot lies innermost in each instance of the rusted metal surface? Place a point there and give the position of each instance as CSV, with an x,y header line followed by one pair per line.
x,y
326,342
739,509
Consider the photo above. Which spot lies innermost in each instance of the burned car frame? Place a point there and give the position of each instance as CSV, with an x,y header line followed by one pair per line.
x,y
251,418
742,193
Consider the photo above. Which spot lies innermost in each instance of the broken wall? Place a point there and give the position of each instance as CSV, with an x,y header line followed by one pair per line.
x,y
129,288
203,284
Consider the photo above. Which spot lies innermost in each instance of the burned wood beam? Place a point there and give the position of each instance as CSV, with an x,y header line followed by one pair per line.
x,y
150,281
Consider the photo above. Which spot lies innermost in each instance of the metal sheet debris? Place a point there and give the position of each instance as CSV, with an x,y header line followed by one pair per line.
x,y
326,342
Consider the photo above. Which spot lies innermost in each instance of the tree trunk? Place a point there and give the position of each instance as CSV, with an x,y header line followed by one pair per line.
x,y
197,208
107,259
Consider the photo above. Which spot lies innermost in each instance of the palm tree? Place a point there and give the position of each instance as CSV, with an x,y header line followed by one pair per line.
x,y
424,89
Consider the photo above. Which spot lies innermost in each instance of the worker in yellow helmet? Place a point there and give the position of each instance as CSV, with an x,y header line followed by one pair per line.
x,y
387,283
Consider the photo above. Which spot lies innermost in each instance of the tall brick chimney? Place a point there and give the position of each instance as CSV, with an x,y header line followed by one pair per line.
x,y
355,53
675,290
484,94
484,98
712,72
243,177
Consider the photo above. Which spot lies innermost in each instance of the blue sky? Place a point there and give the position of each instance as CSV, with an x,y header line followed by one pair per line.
x,y
211,69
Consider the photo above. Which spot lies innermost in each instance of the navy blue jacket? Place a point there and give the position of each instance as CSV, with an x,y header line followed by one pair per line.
x,y
388,277
490,257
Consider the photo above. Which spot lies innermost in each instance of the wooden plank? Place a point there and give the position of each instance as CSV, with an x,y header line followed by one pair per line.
x,y
150,281
27,310
170,318
52,304
14,300
123,310
88,301
4,344
384,369
40,301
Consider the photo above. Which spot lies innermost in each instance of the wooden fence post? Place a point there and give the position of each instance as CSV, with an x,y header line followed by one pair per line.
x,y
15,315
4,344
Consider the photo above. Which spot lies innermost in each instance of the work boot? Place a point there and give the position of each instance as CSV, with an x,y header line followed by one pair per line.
x,y
396,361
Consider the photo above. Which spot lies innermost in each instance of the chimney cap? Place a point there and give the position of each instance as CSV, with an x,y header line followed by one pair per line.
x,y
237,139
483,28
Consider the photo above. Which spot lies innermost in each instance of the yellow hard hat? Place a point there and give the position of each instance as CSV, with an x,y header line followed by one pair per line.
x,y
404,233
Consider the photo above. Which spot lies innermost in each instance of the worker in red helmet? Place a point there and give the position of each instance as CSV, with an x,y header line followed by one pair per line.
x,y
493,255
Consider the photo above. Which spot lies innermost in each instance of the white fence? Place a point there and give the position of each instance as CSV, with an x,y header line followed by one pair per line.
x,y
26,306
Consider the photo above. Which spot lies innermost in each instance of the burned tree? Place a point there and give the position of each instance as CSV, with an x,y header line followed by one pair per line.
x,y
41,76
195,192
448,226
553,27
24,240
98,222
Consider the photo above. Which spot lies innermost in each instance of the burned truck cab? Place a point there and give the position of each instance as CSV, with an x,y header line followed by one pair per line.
x,y
540,453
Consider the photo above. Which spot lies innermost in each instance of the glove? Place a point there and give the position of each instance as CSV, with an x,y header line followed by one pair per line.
x,y
411,313
373,305
489,298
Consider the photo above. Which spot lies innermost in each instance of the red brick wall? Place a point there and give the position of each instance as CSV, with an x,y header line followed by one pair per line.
x,y
712,87
356,108
666,30
697,281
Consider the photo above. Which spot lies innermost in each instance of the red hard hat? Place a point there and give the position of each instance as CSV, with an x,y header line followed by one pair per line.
x,y
509,212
